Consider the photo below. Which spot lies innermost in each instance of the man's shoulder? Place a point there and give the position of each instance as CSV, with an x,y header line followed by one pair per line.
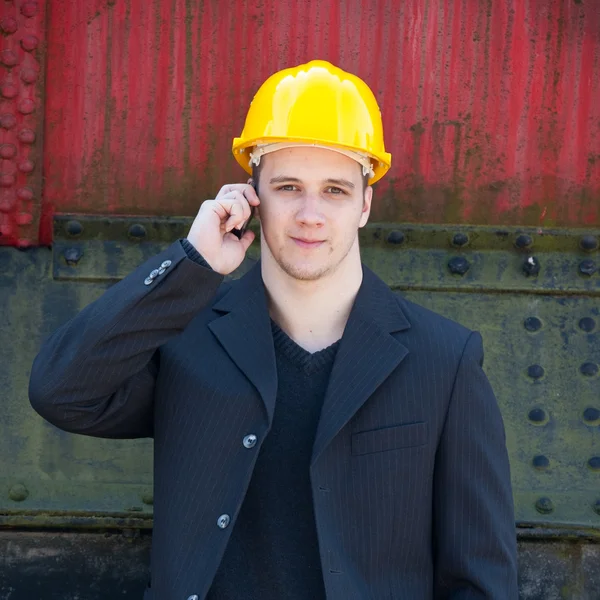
x,y
427,322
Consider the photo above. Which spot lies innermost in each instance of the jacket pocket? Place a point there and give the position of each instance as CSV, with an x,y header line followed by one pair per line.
x,y
409,435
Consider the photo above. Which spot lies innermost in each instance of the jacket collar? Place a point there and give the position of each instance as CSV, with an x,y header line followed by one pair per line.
x,y
367,354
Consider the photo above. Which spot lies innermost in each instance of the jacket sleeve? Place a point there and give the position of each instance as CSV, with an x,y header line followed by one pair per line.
x,y
95,374
474,524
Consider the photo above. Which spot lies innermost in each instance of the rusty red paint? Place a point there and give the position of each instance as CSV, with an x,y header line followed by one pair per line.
x,y
21,22
491,108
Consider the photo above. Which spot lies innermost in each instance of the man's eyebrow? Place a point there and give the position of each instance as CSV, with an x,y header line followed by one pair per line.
x,y
341,182
286,179
283,179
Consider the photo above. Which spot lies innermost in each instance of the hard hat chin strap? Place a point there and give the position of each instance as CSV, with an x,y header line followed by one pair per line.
x,y
261,149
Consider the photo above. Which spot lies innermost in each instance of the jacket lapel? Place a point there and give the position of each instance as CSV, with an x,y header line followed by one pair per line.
x,y
245,334
367,354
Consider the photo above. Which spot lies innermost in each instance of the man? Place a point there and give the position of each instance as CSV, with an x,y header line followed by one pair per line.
x,y
315,435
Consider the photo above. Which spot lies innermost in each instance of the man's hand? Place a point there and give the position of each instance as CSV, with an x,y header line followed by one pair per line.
x,y
211,233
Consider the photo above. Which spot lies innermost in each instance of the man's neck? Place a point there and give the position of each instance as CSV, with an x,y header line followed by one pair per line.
x,y
313,313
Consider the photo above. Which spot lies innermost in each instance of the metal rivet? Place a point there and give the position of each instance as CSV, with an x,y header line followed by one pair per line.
x,y
531,266
29,75
26,136
148,280
596,507
9,90
594,463
588,243
9,25
74,227
587,324
24,219
7,179
460,239
9,58
589,369
523,241
166,264
8,121
591,415
7,202
29,42
544,506
537,415
18,492
72,255
29,9
535,371
26,106
395,237
26,166
540,462
250,441
137,231
8,151
147,498
223,521
587,267
25,193
532,324
458,265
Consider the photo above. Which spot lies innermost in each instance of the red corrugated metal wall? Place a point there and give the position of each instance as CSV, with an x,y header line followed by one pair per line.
x,y
491,108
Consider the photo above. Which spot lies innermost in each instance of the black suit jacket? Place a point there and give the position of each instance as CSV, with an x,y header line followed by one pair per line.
x,y
409,471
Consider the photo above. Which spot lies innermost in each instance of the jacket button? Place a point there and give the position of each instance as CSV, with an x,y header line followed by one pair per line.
x,y
249,441
165,264
193,597
153,274
223,521
148,280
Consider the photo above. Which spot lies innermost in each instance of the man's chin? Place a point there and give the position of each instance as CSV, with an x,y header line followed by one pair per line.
x,y
304,272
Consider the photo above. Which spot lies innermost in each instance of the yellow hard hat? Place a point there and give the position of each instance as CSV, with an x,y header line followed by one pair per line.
x,y
315,104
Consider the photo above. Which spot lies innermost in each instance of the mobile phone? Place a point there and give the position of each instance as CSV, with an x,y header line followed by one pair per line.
x,y
240,232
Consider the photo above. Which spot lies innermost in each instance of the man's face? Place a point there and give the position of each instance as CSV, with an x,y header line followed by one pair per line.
x,y
311,195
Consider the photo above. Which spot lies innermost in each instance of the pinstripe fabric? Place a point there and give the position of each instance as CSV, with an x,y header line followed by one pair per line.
x,y
410,475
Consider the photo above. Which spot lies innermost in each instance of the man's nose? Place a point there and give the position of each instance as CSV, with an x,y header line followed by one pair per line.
x,y
310,212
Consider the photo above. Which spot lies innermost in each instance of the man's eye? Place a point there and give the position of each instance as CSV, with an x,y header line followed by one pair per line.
x,y
335,190
287,188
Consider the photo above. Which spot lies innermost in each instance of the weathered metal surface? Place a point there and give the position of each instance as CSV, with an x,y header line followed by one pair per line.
x,y
22,40
491,109
103,566
541,334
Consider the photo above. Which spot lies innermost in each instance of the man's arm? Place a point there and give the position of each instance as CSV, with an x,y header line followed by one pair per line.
x,y
474,525
95,374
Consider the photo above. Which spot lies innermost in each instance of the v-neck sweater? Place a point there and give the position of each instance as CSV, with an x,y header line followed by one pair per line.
x,y
273,552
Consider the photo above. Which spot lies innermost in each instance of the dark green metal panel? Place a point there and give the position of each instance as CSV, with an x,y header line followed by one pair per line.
x,y
534,296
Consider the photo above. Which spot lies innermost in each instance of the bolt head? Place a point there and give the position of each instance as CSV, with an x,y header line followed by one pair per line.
x,y
544,506
540,462
74,227
531,267
587,267
18,492
460,239
458,265
523,241
589,243
395,237
137,231
532,324
72,256
535,371
537,415
589,369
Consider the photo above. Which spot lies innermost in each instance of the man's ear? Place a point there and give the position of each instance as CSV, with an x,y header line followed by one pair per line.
x,y
366,208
